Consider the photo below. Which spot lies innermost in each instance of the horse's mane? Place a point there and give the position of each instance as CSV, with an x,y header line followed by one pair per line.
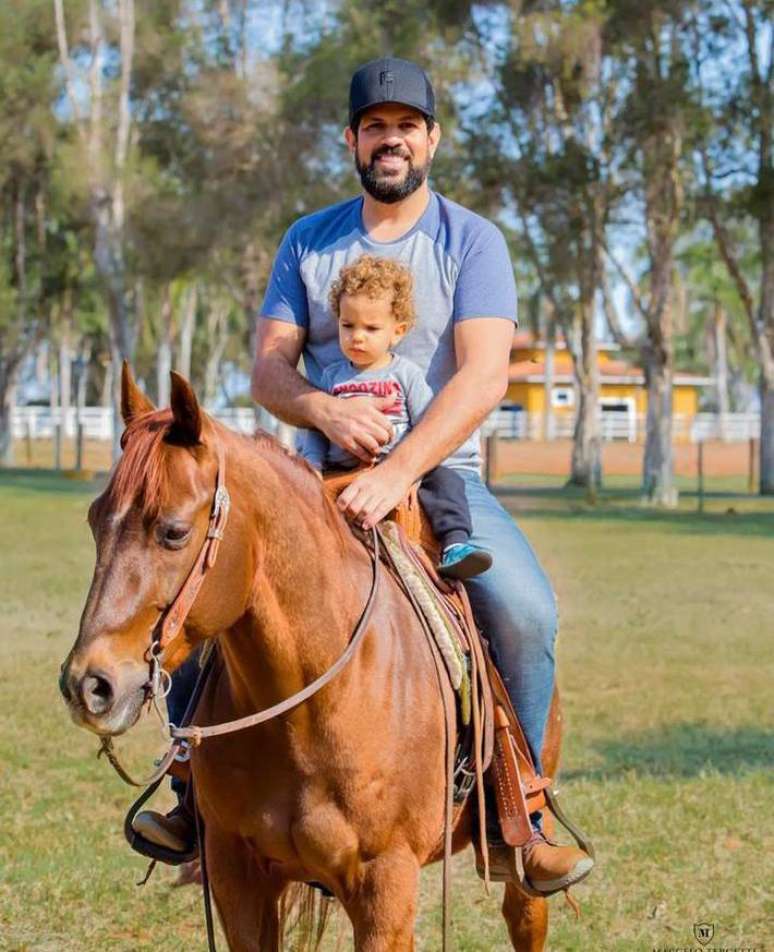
x,y
141,475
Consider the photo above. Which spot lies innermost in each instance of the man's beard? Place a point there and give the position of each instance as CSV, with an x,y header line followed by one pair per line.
x,y
389,190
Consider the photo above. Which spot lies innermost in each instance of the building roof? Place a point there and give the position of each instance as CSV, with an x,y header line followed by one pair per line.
x,y
610,372
526,340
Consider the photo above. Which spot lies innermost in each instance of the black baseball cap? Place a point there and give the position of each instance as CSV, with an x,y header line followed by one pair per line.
x,y
390,80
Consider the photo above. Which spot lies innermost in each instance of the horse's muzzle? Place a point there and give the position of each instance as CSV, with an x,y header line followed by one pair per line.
x,y
94,691
97,702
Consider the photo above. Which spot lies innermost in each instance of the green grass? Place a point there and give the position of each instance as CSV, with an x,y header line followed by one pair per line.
x,y
666,658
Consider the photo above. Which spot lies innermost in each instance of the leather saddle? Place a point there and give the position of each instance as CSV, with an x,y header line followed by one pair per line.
x,y
502,751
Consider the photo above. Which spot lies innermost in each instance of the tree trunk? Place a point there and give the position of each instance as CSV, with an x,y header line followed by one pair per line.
x,y
217,337
721,368
7,404
65,361
767,438
187,327
586,466
548,378
164,349
658,470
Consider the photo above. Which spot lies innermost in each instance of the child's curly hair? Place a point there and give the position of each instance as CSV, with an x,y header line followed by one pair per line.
x,y
377,277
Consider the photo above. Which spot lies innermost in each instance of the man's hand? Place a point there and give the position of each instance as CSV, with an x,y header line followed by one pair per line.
x,y
371,495
358,425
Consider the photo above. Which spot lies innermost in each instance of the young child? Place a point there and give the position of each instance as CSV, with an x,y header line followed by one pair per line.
x,y
373,301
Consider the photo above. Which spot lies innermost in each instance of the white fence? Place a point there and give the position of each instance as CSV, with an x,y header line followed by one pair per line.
x,y
732,428
41,422
97,422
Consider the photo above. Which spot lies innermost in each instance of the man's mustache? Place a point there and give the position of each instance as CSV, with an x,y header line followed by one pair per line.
x,y
389,150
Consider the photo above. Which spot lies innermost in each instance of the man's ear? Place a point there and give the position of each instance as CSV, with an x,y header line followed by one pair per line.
x,y
351,139
186,426
435,137
133,401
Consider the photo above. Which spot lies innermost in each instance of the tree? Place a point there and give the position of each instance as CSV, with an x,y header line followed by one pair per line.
x,y
103,130
543,156
735,156
27,141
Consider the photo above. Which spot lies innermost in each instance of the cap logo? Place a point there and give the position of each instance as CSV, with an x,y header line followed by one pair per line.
x,y
387,78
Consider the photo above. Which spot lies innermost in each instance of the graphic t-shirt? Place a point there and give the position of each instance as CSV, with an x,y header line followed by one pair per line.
x,y
461,270
401,379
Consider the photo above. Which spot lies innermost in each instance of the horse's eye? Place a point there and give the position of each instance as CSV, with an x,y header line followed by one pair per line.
x,y
173,537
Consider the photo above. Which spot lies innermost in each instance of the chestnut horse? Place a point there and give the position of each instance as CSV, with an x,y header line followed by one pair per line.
x,y
346,790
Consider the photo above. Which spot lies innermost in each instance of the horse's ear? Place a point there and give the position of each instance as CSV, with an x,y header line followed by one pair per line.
x,y
187,416
133,401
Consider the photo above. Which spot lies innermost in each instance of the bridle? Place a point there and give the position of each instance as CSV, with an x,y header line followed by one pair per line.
x,y
171,623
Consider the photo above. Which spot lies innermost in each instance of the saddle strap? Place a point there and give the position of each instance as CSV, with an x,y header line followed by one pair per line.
x,y
509,794
450,732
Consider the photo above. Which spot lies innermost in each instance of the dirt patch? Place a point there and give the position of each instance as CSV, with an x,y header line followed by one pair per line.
x,y
516,457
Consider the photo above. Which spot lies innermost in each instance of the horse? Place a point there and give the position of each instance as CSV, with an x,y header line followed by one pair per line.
x,y
348,789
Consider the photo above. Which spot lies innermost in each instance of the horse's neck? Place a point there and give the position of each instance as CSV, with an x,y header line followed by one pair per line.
x,y
310,581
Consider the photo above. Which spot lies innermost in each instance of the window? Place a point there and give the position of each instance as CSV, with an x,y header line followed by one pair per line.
x,y
562,397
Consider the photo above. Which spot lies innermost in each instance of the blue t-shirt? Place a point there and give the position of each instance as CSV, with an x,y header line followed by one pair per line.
x,y
461,270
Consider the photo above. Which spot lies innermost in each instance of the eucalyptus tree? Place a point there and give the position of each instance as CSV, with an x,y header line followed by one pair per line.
x,y
541,150
733,56
652,127
28,141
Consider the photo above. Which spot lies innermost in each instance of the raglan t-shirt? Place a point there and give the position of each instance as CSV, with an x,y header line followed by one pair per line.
x,y
461,270
401,379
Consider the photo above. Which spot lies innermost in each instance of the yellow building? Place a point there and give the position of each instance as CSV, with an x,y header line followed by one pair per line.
x,y
623,397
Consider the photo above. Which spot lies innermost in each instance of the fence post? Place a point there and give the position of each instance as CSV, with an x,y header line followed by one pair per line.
x,y
751,466
57,446
78,446
28,439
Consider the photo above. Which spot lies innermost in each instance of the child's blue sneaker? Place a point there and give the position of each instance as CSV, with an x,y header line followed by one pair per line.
x,y
463,560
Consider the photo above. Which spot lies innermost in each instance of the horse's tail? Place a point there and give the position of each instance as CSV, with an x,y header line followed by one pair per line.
x,y
304,916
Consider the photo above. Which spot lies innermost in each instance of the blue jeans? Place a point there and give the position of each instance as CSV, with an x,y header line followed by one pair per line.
x,y
180,693
515,607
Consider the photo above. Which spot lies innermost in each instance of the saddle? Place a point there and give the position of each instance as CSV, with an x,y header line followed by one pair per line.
x,y
490,740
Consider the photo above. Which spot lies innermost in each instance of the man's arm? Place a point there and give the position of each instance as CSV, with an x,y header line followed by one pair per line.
x,y
357,425
483,347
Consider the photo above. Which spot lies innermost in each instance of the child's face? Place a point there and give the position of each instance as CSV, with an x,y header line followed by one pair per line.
x,y
367,329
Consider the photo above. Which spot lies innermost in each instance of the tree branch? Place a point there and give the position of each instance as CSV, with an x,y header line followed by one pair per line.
x,y
611,315
126,19
627,279
67,66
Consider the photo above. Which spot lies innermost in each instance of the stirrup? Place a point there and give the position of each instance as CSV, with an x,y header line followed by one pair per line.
x,y
144,846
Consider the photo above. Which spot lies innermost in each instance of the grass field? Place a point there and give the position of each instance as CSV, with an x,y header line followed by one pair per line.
x,y
666,660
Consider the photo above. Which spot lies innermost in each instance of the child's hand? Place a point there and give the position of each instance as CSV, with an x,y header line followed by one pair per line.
x,y
373,494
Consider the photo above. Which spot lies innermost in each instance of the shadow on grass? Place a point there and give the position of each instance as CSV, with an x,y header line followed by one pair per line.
x,y
48,481
623,506
682,750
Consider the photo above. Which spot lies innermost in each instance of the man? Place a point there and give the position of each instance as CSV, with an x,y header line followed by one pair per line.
x,y
466,311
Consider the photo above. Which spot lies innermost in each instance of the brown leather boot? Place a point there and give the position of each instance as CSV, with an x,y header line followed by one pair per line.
x,y
550,867
176,831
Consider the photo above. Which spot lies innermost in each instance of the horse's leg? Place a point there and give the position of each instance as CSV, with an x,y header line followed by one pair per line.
x,y
384,906
526,918
247,899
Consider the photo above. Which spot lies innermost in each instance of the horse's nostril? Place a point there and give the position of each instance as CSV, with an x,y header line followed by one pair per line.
x,y
97,693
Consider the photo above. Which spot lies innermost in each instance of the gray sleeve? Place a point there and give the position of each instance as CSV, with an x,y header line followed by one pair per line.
x,y
417,390
315,445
